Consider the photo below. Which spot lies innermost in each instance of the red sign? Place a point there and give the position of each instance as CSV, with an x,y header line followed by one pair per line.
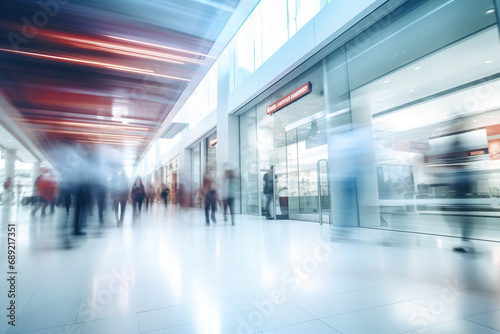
x,y
213,142
292,97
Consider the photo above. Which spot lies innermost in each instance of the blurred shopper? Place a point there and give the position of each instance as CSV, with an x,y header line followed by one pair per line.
x,y
183,196
119,195
82,197
137,194
150,194
461,184
269,191
65,190
229,193
7,191
46,189
100,189
350,171
210,193
164,194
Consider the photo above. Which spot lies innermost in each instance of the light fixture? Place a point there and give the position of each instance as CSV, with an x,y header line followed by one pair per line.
x,y
95,64
489,11
411,91
488,61
386,81
417,68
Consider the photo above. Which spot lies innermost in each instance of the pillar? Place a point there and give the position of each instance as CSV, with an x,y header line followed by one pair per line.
x,y
35,172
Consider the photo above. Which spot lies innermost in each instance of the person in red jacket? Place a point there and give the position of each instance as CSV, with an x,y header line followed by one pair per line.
x,y
46,188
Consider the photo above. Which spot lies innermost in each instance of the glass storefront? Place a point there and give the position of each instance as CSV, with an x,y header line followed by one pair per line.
x,y
422,78
196,173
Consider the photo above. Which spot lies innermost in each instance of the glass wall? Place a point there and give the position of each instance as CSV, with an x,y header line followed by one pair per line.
x,y
422,85
196,174
433,111
271,24
249,163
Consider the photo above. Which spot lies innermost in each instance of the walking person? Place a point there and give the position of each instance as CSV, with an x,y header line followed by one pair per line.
x,y
210,193
230,187
150,194
119,195
46,190
164,194
269,191
138,194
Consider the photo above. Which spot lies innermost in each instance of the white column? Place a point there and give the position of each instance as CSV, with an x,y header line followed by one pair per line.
x,y
35,172
228,126
10,172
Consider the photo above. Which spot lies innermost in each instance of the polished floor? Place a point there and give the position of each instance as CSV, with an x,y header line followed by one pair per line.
x,y
167,272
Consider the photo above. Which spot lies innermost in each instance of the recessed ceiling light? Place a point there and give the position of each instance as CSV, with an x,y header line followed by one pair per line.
x,y
488,61
411,91
386,81
489,11
417,68
475,120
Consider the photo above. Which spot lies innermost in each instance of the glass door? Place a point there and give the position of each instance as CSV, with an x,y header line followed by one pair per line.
x,y
306,145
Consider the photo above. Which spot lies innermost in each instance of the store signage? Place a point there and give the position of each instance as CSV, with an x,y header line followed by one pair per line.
x,y
478,152
289,98
213,142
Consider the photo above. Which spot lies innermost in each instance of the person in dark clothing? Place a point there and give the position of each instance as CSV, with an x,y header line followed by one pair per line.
x,y
138,194
164,194
150,194
269,191
210,193
119,194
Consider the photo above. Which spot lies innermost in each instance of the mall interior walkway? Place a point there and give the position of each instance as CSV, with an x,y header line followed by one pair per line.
x,y
167,272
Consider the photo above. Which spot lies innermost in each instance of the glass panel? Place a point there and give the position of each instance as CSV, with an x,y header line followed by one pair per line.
x,y
306,10
432,125
272,19
312,140
196,172
293,172
244,51
212,153
249,164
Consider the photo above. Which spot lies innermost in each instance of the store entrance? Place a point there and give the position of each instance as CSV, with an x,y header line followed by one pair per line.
x,y
307,172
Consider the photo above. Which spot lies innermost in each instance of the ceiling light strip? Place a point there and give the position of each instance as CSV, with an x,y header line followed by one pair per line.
x,y
99,64
160,46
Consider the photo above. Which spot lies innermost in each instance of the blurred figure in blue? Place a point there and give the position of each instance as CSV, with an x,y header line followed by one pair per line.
x,y
229,192
461,185
350,171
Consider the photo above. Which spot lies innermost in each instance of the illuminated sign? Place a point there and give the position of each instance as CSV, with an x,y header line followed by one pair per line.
x,y
213,142
478,152
292,97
